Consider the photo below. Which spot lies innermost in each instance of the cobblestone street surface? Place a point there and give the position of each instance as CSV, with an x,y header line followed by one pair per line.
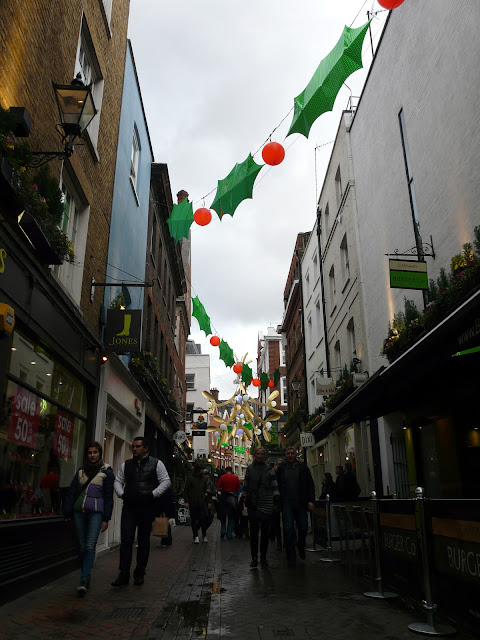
x,y
209,591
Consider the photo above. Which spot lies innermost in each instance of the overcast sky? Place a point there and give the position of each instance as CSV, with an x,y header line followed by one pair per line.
x,y
217,77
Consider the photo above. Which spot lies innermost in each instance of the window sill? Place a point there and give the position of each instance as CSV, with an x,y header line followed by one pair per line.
x,y
346,284
91,145
153,261
134,192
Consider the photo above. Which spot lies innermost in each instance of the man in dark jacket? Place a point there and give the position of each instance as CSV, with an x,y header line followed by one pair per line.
x,y
346,487
140,482
297,493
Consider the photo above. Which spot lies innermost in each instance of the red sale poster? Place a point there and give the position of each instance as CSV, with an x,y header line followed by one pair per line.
x,y
24,418
63,438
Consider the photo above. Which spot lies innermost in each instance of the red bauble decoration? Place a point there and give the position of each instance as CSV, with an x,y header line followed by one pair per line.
x,y
202,216
214,341
390,4
271,383
273,153
238,368
256,382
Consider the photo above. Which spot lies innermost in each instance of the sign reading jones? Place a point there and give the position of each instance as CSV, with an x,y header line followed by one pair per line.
x,y
123,330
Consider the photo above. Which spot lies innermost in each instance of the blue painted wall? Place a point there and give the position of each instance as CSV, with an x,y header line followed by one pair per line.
x,y
129,223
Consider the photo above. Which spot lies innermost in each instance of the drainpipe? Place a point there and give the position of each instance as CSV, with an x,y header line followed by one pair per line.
x,y
322,285
299,267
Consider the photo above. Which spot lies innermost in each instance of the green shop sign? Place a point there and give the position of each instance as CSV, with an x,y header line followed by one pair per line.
x,y
408,274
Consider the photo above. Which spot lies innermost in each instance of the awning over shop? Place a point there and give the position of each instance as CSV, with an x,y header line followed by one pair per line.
x,y
427,368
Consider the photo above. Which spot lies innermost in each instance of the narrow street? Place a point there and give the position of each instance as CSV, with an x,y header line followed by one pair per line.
x,y
209,591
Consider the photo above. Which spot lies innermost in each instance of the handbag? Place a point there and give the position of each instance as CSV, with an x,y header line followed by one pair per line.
x,y
160,527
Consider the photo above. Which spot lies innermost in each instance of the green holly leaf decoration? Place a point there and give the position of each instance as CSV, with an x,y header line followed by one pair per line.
x,y
248,425
236,187
320,93
201,315
264,381
180,220
276,376
247,374
226,354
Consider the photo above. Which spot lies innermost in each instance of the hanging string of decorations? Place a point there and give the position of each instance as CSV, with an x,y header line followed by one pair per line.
x,y
227,354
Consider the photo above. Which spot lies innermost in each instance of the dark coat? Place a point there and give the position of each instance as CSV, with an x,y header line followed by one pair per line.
x,y
306,486
347,487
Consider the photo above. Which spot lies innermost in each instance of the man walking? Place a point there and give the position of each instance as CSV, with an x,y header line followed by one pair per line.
x,y
140,481
228,485
261,490
347,487
297,492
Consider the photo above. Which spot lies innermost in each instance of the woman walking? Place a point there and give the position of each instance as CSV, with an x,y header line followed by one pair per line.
x,y
197,500
89,501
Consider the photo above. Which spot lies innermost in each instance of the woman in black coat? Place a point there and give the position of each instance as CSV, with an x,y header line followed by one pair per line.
x,y
328,487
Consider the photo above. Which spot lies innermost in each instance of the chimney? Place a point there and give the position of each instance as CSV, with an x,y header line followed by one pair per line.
x,y
181,195
214,393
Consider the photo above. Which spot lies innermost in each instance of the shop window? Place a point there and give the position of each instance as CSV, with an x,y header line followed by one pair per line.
x,y
42,433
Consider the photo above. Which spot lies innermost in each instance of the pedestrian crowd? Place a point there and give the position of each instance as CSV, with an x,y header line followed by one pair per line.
x,y
271,505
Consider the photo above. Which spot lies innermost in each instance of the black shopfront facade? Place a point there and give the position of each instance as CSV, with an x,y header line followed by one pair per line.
x,y
433,397
49,372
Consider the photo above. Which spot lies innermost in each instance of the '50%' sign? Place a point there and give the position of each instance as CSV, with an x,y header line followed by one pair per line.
x,y
24,418
63,438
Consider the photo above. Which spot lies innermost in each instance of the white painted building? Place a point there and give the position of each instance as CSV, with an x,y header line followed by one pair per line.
x,y
197,378
408,167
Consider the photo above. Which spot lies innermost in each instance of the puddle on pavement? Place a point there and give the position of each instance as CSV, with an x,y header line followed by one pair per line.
x,y
190,614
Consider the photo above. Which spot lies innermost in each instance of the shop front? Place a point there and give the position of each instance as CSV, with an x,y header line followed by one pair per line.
x,y
48,392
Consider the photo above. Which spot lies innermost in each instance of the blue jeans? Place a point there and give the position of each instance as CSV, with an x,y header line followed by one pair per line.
x,y
295,525
227,528
87,528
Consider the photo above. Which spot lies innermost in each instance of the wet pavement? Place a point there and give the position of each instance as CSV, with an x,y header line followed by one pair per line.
x,y
208,591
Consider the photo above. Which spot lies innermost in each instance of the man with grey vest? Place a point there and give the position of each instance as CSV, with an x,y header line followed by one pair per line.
x,y
140,482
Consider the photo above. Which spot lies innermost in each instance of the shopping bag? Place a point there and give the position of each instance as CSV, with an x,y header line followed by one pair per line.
x,y
160,527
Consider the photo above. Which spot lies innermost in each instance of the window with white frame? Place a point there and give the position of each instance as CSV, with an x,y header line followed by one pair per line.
x,y
283,390
307,285
331,282
338,359
88,67
352,343
315,268
309,335
74,224
134,158
318,319
326,222
283,354
190,381
338,186
107,5
345,259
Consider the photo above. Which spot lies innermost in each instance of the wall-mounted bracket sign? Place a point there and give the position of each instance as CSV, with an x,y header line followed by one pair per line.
x,y
7,319
408,274
123,330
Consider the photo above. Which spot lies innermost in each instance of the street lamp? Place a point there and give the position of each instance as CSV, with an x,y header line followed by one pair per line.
x,y
296,384
77,109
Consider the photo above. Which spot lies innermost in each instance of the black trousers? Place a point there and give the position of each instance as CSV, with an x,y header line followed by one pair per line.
x,y
133,518
259,523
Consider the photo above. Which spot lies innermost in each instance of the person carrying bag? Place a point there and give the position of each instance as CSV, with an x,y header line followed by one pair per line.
x,y
89,502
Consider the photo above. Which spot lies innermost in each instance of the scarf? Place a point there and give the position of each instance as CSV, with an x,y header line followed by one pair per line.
x,y
90,469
